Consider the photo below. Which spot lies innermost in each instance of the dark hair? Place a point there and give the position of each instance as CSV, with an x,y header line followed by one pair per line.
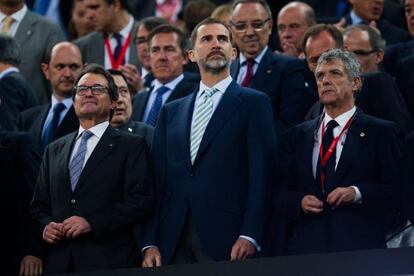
x,y
97,69
209,21
315,30
151,22
375,40
166,29
124,3
197,11
261,2
9,50
115,72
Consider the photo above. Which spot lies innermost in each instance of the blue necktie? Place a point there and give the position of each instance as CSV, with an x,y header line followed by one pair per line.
x,y
75,166
118,47
156,106
41,6
50,131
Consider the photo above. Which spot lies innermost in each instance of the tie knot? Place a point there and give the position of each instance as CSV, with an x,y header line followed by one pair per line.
x,y
7,21
161,90
86,134
249,62
59,107
210,92
118,37
331,125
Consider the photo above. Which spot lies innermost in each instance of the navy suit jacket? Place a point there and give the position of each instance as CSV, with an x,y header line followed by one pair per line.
x,y
183,88
370,160
408,187
33,119
227,188
395,53
281,78
405,81
144,130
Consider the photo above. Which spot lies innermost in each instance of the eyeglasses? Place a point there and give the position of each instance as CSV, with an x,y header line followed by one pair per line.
x,y
95,90
123,91
313,60
364,53
256,25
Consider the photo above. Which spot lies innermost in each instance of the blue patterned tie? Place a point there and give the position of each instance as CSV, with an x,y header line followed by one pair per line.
x,y
118,47
75,166
50,131
156,106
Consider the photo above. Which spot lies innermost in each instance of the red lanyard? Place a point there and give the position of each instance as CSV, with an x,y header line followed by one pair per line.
x,y
325,157
115,63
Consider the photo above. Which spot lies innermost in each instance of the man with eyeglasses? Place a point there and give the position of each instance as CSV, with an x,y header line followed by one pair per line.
x,y
48,122
379,95
94,185
367,44
257,67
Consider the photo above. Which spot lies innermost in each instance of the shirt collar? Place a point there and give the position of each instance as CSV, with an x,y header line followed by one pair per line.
x,y
355,18
257,59
341,119
97,130
171,85
67,102
17,16
221,86
8,70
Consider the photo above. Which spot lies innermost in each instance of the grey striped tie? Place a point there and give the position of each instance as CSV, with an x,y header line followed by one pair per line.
x,y
202,116
76,165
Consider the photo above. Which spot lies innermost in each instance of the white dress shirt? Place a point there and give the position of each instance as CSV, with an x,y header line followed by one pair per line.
x,y
17,18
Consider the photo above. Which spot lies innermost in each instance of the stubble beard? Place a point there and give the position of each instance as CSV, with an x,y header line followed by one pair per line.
x,y
216,66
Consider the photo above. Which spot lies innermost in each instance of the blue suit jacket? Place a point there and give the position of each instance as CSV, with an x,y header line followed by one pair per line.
x,y
370,160
282,79
227,188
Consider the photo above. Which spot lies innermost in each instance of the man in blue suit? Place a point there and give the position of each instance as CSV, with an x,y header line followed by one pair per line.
x,y
257,67
339,198
214,153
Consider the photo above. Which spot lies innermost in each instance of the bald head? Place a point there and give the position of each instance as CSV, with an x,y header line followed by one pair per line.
x,y
64,64
292,21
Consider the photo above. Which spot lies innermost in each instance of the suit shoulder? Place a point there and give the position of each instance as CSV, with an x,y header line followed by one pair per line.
x,y
378,123
44,24
85,40
32,112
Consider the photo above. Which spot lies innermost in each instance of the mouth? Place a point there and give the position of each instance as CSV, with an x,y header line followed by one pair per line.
x,y
215,54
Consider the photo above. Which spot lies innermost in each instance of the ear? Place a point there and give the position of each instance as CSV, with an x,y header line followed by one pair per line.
x,y
191,55
45,70
379,56
185,59
356,84
233,53
270,26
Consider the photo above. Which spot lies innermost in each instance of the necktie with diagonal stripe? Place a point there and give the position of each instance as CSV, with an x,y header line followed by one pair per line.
x,y
76,165
202,116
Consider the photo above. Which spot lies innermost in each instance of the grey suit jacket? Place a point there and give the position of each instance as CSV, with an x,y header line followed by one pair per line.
x,y
92,47
36,36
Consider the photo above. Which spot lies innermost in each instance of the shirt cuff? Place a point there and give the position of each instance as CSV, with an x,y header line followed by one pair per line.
x,y
253,241
358,196
146,247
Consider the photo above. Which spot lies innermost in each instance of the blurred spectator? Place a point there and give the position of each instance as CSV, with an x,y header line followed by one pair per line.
x,y
79,25
292,21
197,11
16,94
36,36
222,13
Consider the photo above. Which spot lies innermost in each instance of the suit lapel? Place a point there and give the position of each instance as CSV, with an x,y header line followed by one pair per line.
x,y
226,108
38,124
142,104
234,69
65,150
308,146
69,123
26,28
264,69
133,59
108,142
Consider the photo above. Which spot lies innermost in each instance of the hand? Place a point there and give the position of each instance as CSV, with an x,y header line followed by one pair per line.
x,y
53,232
373,25
130,72
341,24
341,196
242,249
31,265
290,50
75,226
311,205
152,257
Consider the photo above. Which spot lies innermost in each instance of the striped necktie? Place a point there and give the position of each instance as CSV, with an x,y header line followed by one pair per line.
x,y
76,165
202,115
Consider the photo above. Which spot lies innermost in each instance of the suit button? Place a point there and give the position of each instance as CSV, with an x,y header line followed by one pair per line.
x,y
191,174
73,201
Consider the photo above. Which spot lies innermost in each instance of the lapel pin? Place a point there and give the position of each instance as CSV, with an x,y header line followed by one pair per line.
x,y
29,32
269,71
130,129
362,134
111,145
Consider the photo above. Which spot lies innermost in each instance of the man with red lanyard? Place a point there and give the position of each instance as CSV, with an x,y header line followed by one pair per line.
x,y
111,45
340,171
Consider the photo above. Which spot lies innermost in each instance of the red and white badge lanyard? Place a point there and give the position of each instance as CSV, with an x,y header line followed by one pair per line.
x,y
115,63
325,157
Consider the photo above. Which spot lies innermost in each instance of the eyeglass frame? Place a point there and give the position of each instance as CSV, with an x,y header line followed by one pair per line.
x,y
92,88
262,23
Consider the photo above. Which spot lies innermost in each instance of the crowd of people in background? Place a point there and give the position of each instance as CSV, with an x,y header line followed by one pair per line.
x,y
148,133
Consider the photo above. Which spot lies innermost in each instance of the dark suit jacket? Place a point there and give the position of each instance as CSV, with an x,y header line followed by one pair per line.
x,y
141,129
389,33
408,183
92,47
395,53
379,97
19,167
16,95
405,81
370,160
183,88
281,78
33,119
36,36
227,188
113,193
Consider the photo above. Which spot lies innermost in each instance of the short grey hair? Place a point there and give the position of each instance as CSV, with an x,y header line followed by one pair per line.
x,y
350,61
9,50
